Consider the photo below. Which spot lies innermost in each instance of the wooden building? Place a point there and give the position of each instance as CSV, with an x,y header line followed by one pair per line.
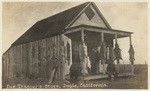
x,y
69,37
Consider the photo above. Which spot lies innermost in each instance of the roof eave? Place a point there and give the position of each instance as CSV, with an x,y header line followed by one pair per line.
x,y
95,27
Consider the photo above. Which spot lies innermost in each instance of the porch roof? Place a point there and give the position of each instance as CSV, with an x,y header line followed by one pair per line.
x,y
90,28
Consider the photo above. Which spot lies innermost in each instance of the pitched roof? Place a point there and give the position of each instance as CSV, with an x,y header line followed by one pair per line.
x,y
50,26
53,25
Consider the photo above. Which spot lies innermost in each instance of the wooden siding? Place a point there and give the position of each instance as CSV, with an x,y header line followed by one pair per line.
x,y
34,59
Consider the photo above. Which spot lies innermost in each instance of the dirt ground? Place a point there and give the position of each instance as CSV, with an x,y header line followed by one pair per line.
x,y
138,81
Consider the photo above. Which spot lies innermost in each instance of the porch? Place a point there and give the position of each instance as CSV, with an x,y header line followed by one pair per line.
x,y
124,70
87,38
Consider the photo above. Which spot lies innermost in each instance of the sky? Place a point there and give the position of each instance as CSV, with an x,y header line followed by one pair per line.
x,y
18,17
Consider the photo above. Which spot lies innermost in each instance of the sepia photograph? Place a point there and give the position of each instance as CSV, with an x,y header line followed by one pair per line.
x,y
74,45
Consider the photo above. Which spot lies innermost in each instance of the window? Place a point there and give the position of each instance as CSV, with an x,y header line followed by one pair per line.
x,y
89,13
68,53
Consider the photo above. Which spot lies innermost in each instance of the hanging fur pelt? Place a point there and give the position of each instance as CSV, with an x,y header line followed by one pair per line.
x,y
131,54
117,52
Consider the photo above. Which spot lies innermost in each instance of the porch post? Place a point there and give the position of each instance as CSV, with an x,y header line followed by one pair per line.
x,y
102,37
83,54
132,67
117,66
82,35
116,36
103,60
130,40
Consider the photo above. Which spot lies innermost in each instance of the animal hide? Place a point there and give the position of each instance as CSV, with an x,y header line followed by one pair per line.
x,y
131,54
117,52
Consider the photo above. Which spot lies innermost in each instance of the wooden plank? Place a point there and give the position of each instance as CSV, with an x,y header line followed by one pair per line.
x,y
59,47
102,37
102,76
55,42
46,59
49,54
22,56
96,30
30,58
43,58
36,59
18,65
9,52
20,60
13,53
3,65
10,62
82,35
130,39
39,57
26,59
33,59
60,55
64,56
43,61
23,61
15,60
58,41
74,30
7,63
116,38
106,31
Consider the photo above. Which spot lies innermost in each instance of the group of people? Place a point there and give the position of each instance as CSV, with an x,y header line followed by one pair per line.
x,y
96,58
75,71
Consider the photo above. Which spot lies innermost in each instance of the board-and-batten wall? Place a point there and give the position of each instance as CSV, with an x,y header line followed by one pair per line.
x,y
34,59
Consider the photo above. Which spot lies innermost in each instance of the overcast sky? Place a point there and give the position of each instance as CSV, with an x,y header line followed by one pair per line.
x,y
127,16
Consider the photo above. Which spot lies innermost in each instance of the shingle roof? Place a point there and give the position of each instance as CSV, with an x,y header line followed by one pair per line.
x,y
50,26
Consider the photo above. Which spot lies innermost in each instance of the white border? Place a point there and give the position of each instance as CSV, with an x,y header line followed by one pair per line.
x,y
72,1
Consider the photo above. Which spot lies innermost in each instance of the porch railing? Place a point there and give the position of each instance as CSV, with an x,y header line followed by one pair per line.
x,y
125,68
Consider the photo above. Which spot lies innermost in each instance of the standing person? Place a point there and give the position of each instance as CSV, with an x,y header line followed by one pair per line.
x,y
95,61
88,65
54,69
75,71
111,69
